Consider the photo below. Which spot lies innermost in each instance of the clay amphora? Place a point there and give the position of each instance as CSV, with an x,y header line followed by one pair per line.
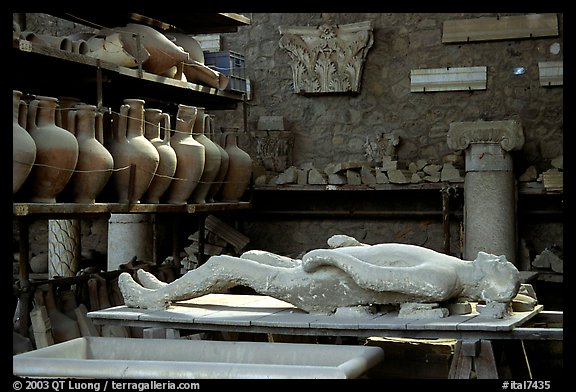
x,y
190,157
63,327
239,172
212,158
65,106
135,158
163,53
56,152
160,138
224,159
95,163
23,146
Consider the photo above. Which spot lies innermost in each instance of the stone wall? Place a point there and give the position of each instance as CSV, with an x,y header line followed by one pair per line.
x,y
330,128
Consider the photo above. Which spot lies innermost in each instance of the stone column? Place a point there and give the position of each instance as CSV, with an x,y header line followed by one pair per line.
x,y
63,247
489,185
130,235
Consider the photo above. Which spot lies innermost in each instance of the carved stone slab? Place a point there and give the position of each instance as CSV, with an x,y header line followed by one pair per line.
x,y
327,58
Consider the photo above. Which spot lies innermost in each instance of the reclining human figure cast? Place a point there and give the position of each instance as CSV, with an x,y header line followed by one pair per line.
x,y
349,274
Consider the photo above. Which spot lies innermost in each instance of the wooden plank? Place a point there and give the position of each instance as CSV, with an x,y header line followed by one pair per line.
x,y
485,362
23,209
287,318
482,323
226,232
499,28
447,79
449,323
551,73
461,365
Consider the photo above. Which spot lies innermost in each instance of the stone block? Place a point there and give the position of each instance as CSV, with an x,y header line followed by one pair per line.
x,y
337,179
289,176
303,176
399,176
450,173
416,178
367,176
389,165
316,178
353,177
432,169
530,174
381,177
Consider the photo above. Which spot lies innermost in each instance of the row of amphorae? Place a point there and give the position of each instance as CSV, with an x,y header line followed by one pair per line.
x,y
59,149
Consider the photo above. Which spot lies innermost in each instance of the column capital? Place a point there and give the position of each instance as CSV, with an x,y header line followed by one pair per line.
x,y
507,133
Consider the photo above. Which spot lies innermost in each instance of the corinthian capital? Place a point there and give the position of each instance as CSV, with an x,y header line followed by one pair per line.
x,y
507,133
327,58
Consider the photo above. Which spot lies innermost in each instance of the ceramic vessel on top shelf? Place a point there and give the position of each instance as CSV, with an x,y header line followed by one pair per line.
x,y
159,136
95,162
135,157
190,157
239,171
56,152
23,146
163,53
212,159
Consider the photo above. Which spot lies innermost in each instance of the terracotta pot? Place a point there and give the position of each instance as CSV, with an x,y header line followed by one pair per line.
x,y
23,145
95,162
63,327
110,47
190,157
239,172
135,158
56,152
188,43
224,160
164,54
160,137
212,159
65,106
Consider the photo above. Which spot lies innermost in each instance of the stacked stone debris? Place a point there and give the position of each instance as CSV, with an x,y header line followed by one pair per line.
x,y
389,171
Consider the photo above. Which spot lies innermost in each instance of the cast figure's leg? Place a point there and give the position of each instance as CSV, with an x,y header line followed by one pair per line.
x,y
148,280
218,274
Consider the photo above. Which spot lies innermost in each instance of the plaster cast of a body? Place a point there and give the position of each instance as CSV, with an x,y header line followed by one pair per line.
x,y
349,274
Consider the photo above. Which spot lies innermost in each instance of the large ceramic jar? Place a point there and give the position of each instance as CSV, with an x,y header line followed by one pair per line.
x,y
239,172
212,158
95,162
56,152
219,179
190,157
135,158
23,146
159,136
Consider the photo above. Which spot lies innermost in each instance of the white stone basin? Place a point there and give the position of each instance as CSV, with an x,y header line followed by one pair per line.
x,y
108,357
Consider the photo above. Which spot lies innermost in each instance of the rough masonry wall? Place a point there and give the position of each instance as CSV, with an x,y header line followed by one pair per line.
x,y
332,128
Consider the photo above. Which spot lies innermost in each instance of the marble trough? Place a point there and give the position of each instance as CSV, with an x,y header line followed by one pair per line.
x,y
109,357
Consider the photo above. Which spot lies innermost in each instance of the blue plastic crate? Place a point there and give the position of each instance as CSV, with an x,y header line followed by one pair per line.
x,y
236,84
227,62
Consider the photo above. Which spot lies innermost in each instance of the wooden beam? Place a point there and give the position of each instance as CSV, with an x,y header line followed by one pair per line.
x,y
499,28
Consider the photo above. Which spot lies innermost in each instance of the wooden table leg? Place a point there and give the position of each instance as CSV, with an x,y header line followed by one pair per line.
x,y
473,357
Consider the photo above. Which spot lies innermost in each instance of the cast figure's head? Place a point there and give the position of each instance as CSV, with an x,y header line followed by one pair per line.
x,y
499,279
